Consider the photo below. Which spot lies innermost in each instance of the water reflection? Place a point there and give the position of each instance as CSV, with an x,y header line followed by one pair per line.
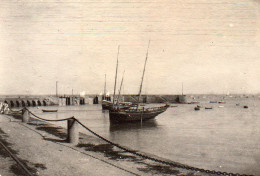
x,y
57,115
133,126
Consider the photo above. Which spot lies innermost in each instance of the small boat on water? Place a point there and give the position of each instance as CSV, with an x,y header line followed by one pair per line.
x,y
221,102
194,102
197,108
213,102
49,110
208,108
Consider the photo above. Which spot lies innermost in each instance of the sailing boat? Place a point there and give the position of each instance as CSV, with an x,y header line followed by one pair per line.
x,y
106,100
135,114
106,94
107,105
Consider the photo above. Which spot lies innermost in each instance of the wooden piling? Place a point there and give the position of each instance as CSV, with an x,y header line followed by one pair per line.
x,y
73,132
26,116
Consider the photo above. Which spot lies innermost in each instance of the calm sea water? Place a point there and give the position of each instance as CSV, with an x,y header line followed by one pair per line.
x,y
225,138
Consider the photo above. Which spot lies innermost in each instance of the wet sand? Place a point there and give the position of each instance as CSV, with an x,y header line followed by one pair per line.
x,y
43,149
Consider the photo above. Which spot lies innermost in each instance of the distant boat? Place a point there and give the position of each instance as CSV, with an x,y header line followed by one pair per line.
x,y
208,108
221,102
197,108
49,110
194,102
213,102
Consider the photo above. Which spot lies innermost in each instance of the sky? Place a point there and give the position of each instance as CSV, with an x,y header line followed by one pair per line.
x,y
211,46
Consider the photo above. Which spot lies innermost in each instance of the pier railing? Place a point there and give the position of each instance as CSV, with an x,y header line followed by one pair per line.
x,y
73,137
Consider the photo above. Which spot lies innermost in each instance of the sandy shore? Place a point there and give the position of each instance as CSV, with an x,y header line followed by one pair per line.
x,y
43,149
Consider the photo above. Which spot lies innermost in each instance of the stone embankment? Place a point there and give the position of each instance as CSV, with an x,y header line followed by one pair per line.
x,y
63,100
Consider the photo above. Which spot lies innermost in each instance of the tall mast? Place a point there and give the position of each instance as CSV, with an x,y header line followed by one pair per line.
x,y
140,91
105,86
56,88
182,88
116,75
120,87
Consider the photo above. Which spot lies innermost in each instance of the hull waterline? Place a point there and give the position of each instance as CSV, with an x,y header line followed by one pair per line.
x,y
120,116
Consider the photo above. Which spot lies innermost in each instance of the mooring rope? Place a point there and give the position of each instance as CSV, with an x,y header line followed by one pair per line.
x,y
158,160
143,155
58,143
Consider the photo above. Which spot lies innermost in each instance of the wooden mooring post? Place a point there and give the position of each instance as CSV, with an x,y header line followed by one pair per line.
x,y
26,116
73,132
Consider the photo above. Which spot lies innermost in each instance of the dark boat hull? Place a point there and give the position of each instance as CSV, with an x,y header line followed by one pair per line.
x,y
208,108
49,110
105,106
120,116
109,106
